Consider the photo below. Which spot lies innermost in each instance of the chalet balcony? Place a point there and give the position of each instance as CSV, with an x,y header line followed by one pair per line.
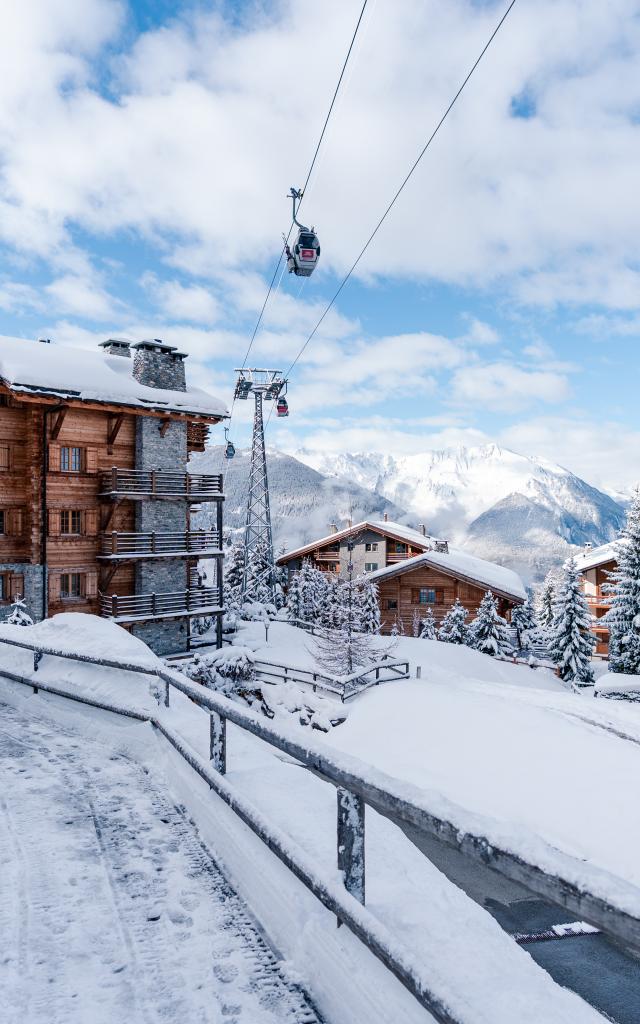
x,y
132,547
325,555
140,484
168,605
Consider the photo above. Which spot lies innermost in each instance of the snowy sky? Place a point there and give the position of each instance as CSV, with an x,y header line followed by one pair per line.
x,y
146,149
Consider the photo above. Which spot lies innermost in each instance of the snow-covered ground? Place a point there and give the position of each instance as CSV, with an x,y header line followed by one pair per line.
x,y
505,747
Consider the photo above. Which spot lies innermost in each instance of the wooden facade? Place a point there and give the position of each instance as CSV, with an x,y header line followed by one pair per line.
x,y
594,578
56,511
415,589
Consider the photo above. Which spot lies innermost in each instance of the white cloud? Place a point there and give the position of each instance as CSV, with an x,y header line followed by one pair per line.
x,y
193,146
192,303
504,387
81,297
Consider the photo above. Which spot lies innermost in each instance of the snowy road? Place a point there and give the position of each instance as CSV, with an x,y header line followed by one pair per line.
x,y
110,907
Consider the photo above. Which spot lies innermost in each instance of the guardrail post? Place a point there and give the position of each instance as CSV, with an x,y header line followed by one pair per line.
x,y
218,742
351,841
418,671
166,695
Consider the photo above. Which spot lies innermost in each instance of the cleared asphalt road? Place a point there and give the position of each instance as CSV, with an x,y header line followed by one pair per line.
x,y
605,975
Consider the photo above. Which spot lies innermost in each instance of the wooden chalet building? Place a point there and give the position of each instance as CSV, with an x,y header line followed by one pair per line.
x,y
413,570
95,498
595,564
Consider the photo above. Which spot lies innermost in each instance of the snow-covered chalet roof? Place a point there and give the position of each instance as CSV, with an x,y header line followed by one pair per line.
x,y
394,530
596,556
93,376
501,581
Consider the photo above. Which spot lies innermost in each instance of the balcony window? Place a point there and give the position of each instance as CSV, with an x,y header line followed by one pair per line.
x,y
70,585
70,521
400,548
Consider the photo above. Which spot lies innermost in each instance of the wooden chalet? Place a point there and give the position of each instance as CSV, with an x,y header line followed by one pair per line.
x,y
95,498
413,570
369,545
436,579
595,564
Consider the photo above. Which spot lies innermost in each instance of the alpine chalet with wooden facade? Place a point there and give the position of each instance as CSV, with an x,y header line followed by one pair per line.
x,y
95,498
412,570
595,565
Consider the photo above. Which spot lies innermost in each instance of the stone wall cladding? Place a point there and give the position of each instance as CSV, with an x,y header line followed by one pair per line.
x,y
32,575
159,368
165,636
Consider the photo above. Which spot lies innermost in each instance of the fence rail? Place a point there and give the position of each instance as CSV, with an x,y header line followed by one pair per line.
x,y
161,484
125,607
344,687
355,789
116,545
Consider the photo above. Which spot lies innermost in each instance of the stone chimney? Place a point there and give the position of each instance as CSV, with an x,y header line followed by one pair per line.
x,y
116,347
158,365
423,529
333,527
385,516
588,546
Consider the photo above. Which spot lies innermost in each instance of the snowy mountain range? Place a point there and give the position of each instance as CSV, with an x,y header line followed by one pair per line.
x,y
523,512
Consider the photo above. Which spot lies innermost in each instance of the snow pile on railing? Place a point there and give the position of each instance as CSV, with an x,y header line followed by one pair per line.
x,y
617,686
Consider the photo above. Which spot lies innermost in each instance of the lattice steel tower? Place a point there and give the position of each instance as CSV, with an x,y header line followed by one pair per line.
x,y
258,579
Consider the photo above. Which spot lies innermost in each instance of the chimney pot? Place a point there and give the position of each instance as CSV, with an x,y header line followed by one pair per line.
x,y
423,529
333,527
385,516
116,347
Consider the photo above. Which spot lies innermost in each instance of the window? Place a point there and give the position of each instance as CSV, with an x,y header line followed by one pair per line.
x,y
4,587
401,549
370,566
70,460
2,521
391,604
70,585
427,595
4,456
371,547
70,521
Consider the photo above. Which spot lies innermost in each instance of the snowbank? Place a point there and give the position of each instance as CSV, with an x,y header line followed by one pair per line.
x,y
76,633
612,683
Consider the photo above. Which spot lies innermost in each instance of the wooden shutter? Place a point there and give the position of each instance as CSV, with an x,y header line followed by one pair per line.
x,y
5,457
91,460
439,596
90,585
16,585
14,522
415,596
54,587
91,522
53,517
54,458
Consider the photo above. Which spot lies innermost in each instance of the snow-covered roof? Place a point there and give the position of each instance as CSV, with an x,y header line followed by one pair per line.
x,y
596,556
463,566
384,526
92,376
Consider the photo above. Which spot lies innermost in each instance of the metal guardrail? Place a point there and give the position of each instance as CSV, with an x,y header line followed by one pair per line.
x,y
355,786
117,545
160,483
384,671
132,607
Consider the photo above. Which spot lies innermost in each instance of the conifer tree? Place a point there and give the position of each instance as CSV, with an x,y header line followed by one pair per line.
x,y
453,629
415,623
369,607
259,576
623,616
488,633
545,597
428,626
523,618
233,572
294,599
571,641
19,616
331,612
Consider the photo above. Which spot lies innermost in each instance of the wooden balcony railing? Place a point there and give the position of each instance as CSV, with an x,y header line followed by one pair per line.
x,y
160,483
136,607
602,600
130,546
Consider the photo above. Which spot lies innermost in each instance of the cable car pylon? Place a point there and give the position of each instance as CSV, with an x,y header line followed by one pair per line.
x,y
258,578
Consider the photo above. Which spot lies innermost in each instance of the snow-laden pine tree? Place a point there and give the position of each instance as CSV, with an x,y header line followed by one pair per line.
x,y
428,626
233,572
624,586
570,639
313,589
489,632
545,596
415,623
452,628
331,612
346,647
295,606
19,616
523,618
369,607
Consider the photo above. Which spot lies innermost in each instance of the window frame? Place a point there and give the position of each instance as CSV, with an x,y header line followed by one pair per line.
x,y
5,464
73,456
371,566
3,522
68,593
70,517
401,547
